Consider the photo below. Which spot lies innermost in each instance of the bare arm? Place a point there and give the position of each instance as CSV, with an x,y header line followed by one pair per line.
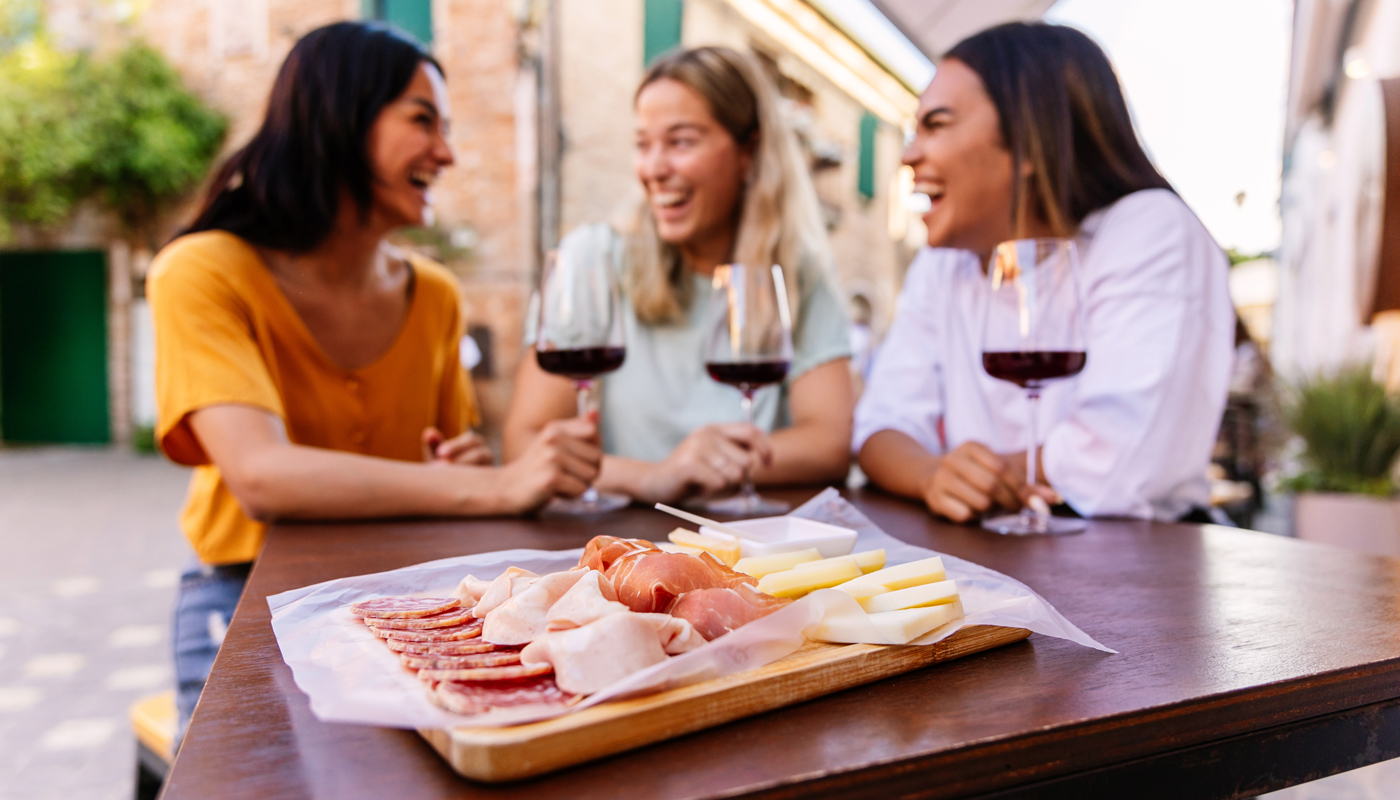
x,y
817,446
276,479
960,485
539,399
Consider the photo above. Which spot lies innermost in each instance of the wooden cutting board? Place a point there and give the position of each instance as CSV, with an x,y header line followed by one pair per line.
x,y
503,754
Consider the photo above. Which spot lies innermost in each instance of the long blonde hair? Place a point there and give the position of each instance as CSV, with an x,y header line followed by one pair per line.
x,y
780,221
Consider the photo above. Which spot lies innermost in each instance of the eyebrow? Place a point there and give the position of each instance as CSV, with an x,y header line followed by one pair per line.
x,y
427,104
932,112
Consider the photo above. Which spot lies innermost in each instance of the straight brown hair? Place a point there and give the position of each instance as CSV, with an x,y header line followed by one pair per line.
x,y
1062,111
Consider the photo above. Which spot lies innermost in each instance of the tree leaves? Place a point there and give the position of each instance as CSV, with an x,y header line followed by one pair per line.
x,y
123,130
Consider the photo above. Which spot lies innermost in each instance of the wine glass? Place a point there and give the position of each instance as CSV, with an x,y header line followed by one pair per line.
x,y
580,336
1033,334
749,346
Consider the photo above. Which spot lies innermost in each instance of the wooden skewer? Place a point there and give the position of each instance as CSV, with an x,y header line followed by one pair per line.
x,y
699,520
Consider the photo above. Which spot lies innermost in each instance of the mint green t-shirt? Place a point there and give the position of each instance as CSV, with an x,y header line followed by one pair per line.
x,y
662,392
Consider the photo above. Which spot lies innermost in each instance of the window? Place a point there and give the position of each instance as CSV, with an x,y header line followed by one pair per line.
x,y
662,27
414,17
865,175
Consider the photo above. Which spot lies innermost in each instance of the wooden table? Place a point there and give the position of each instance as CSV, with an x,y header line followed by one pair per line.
x,y
1248,662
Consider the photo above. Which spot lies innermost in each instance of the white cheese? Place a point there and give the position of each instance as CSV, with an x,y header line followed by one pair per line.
x,y
726,550
902,576
887,627
929,594
798,582
758,566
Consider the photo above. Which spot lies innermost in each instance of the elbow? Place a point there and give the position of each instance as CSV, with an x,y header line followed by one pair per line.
x,y
257,493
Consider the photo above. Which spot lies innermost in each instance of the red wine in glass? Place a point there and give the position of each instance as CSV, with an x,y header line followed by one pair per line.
x,y
1032,369
746,376
581,364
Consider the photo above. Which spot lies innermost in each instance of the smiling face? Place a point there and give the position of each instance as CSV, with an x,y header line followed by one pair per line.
x,y
691,169
407,148
961,162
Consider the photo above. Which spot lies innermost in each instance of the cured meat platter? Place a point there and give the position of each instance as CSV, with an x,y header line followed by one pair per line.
x,y
817,669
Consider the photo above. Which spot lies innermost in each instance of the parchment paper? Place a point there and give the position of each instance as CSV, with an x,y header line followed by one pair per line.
x,y
350,676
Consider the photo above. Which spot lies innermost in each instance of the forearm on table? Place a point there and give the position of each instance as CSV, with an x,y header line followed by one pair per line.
x,y
625,475
807,453
298,482
897,463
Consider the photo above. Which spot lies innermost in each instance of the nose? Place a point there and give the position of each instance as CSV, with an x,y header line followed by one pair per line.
x,y
652,163
443,150
911,155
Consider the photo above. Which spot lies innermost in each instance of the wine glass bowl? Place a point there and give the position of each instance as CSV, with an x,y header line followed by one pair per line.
x,y
580,336
1033,334
748,346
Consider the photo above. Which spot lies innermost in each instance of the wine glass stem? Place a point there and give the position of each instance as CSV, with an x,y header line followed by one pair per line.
x,y
584,390
746,488
1032,403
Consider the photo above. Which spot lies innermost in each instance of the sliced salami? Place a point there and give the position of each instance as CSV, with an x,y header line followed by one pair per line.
x,y
476,698
486,673
459,662
454,633
403,607
440,648
456,616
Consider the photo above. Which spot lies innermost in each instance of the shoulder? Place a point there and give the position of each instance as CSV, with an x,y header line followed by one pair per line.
x,y
199,252
593,239
1153,213
435,285
202,261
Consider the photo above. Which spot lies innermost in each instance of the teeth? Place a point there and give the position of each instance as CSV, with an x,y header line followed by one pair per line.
x,y
670,199
421,178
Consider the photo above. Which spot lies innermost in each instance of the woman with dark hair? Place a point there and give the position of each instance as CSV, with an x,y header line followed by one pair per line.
x,y
305,368
1024,133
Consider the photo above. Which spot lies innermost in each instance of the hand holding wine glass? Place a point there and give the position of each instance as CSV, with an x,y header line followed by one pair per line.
x,y
580,336
1033,334
749,346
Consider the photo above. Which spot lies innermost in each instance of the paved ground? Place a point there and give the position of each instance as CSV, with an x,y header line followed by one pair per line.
x,y
92,552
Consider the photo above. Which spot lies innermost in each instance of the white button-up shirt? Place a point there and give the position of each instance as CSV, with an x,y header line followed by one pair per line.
x,y
1132,434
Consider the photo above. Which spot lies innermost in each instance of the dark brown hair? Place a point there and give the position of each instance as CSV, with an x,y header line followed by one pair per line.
x,y
1062,111
283,189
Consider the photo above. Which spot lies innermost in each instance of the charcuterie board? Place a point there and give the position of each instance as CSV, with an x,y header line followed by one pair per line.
x,y
521,751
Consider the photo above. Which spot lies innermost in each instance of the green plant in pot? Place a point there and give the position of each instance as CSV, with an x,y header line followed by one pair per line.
x,y
1351,429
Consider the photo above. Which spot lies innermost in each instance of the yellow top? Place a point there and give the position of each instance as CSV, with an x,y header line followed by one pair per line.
x,y
225,334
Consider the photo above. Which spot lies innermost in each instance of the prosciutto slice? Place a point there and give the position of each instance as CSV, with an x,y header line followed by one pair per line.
x,y
648,580
523,617
587,658
715,612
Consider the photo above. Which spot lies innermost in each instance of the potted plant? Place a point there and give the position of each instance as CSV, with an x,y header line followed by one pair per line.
x,y
1345,493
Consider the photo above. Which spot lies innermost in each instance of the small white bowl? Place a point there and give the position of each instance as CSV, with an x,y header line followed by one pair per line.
x,y
771,535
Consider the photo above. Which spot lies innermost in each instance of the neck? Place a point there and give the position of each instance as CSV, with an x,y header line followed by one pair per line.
x,y
709,252
349,254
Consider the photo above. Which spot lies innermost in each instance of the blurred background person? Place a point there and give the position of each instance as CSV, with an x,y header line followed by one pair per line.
x,y
1024,133
304,368
724,182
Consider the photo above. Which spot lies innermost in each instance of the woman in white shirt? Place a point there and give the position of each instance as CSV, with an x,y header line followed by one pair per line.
x,y
1024,133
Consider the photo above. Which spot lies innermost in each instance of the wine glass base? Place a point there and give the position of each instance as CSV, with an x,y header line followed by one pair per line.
x,y
1034,525
746,505
579,506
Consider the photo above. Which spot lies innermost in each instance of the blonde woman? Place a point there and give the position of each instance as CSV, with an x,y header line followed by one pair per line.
x,y
724,183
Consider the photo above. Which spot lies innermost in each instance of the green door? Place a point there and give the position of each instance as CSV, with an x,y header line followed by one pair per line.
x,y
53,347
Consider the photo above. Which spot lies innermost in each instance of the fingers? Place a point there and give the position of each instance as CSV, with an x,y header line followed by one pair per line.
x,y
432,437
980,486
469,448
750,437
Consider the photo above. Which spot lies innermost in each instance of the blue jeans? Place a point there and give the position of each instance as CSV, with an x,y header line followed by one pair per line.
x,y
205,603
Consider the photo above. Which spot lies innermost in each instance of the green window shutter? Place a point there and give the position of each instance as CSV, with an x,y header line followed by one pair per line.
x,y
865,176
411,16
663,27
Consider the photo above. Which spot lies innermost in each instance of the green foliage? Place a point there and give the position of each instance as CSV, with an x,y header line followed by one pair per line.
x,y
121,129
1352,431
1236,257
